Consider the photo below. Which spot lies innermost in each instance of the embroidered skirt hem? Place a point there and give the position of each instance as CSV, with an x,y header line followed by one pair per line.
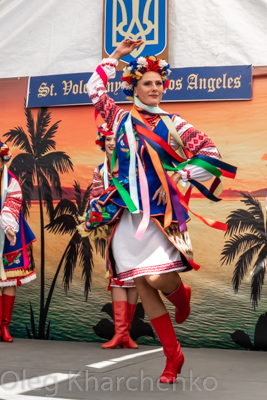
x,y
154,254
19,279
125,285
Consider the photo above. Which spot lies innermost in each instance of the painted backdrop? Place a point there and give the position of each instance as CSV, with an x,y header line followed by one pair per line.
x,y
220,317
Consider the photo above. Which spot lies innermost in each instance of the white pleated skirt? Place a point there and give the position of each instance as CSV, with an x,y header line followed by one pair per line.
x,y
152,255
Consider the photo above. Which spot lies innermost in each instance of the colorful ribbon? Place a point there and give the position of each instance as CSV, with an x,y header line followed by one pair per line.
x,y
163,158
205,162
132,165
105,173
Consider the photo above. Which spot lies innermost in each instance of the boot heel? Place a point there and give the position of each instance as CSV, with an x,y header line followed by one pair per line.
x,y
121,337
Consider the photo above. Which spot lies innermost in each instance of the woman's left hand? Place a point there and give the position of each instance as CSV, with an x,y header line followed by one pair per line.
x,y
162,197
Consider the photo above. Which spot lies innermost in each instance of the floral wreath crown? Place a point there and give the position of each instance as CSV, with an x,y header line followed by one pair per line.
x,y
5,152
101,136
135,70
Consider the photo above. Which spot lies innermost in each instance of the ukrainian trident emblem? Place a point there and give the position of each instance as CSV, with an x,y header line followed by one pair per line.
x,y
136,19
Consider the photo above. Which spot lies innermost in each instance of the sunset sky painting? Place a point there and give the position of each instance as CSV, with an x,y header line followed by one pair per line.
x,y
239,130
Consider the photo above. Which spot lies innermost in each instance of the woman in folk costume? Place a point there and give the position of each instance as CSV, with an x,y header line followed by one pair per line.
x,y
17,265
145,210
123,294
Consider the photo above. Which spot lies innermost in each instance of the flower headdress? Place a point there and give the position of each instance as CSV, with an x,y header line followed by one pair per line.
x,y
100,137
135,70
5,152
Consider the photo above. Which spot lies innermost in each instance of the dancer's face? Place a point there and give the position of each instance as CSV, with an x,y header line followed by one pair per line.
x,y
110,145
149,88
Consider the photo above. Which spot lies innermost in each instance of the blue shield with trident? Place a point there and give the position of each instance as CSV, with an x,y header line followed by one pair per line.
x,y
136,19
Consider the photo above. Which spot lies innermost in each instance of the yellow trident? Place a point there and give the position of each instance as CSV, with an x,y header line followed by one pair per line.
x,y
142,33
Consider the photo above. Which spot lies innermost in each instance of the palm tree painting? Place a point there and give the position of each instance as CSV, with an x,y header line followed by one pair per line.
x,y
39,165
247,246
65,221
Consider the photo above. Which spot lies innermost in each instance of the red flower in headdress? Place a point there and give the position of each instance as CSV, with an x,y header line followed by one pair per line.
x,y
99,143
128,79
153,65
4,151
166,84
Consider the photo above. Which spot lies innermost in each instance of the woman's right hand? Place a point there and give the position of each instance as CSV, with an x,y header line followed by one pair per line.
x,y
126,47
11,236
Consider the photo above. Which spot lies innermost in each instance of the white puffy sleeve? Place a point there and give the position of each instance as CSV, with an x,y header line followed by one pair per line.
x,y
9,216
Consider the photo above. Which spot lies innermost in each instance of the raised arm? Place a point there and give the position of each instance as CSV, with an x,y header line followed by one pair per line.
x,y
96,87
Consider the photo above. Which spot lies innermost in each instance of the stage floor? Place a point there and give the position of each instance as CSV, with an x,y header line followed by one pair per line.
x,y
35,370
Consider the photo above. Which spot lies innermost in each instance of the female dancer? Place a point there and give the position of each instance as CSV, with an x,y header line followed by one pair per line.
x,y
146,213
123,294
17,265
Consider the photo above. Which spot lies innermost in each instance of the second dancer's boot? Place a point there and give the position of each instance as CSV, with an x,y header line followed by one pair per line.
x,y
131,311
121,336
171,348
7,309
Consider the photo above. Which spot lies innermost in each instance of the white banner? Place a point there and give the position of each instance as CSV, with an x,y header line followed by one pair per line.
x,y
55,37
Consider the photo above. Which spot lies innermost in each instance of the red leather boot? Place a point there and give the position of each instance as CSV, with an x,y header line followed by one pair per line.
x,y
121,337
131,311
171,348
180,298
7,309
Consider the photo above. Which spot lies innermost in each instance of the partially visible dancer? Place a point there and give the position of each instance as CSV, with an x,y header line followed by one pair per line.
x,y
16,258
148,236
123,294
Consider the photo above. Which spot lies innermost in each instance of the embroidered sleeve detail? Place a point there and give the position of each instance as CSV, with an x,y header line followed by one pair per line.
x,y
181,126
98,187
194,140
103,64
197,143
12,206
109,110
210,153
93,96
97,91
17,194
14,189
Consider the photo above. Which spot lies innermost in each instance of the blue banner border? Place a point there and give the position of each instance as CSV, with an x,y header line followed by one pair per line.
x,y
186,84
